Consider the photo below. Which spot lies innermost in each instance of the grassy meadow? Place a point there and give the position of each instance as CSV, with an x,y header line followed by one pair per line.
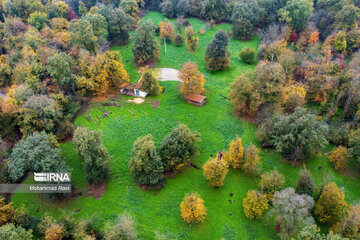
x,y
158,210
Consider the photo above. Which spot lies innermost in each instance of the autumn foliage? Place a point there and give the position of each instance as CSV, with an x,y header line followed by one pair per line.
x,y
255,203
55,232
7,212
234,156
191,39
338,157
215,171
192,208
331,204
192,80
252,163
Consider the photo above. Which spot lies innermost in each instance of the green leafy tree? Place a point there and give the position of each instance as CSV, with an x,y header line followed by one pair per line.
x,y
39,113
246,14
354,147
297,13
149,84
98,23
118,23
38,152
96,156
305,183
178,39
179,147
300,135
82,35
339,42
11,232
145,164
38,20
131,8
59,67
347,17
214,10
216,55
146,46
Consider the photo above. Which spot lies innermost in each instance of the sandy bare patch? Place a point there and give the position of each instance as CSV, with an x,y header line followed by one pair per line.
x,y
167,74
137,100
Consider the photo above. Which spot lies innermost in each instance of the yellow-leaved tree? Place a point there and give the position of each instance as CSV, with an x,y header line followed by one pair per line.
x,y
55,232
338,157
234,156
192,208
252,163
8,214
331,204
293,96
255,203
192,80
215,171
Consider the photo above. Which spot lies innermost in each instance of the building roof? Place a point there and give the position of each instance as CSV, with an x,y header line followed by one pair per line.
x,y
195,98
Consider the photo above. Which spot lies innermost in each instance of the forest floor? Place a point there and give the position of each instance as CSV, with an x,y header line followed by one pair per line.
x,y
159,211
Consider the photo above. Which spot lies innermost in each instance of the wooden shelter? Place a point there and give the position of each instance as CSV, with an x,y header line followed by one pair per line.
x,y
195,99
132,90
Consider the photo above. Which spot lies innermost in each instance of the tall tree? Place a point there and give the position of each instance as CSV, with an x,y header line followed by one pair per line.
x,y
149,84
145,164
191,40
118,23
215,171
297,13
305,184
216,55
96,156
299,135
146,46
331,204
59,67
214,10
82,35
179,148
192,80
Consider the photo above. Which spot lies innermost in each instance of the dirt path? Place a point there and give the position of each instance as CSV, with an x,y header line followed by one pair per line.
x,y
167,74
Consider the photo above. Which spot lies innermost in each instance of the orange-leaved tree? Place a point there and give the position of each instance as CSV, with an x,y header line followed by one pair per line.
x,y
192,80
192,208
338,157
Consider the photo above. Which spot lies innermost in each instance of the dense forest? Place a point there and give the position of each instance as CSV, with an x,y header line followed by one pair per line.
x,y
60,58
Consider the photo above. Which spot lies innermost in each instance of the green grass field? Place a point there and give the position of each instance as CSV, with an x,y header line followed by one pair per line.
x,y
159,210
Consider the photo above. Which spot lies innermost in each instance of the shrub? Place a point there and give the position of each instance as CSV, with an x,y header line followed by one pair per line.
x,y
192,208
9,231
255,203
234,156
305,184
123,229
178,40
252,161
271,182
247,55
349,226
338,157
215,171
145,164
8,214
179,147
331,204
55,232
